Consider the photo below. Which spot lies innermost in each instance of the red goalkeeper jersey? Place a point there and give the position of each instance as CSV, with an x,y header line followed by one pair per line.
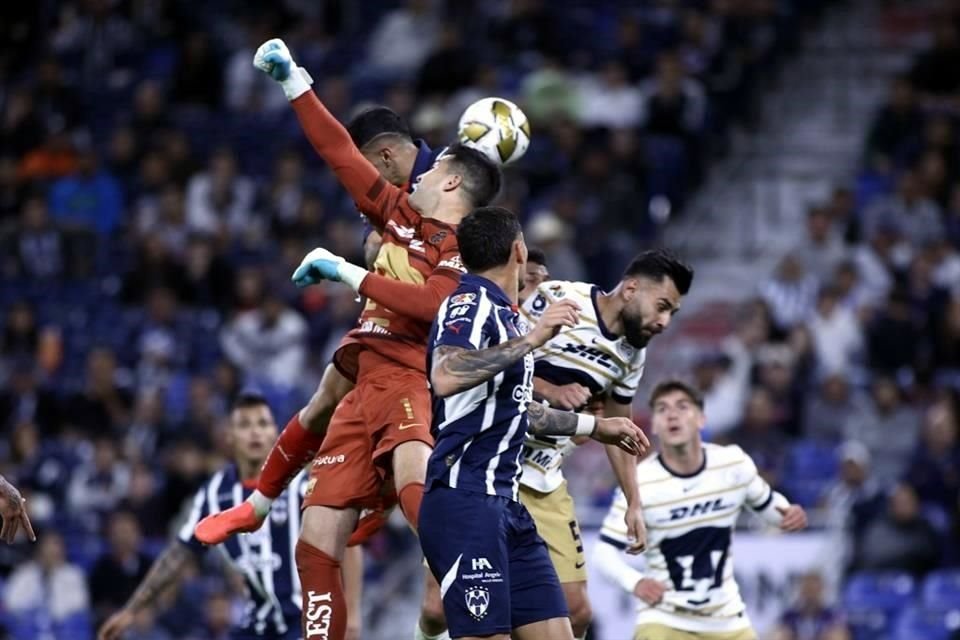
x,y
418,265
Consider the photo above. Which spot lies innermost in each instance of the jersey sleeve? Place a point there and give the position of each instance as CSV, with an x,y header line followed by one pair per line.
x,y
375,197
198,510
613,531
417,301
464,321
759,493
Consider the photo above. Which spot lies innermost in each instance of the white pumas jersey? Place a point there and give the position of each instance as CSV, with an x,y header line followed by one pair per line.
x,y
690,521
587,354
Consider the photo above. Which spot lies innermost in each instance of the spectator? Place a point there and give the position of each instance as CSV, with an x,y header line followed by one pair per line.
x,y
39,246
22,400
208,277
724,379
790,293
104,403
553,235
935,73
897,122
838,340
98,484
671,103
402,39
164,217
30,586
269,342
810,618
888,428
822,250
854,499
759,437
90,199
893,337
609,100
145,503
198,77
934,471
451,66
20,331
245,88
220,201
154,267
909,209
875,262
286,195
900,540
831,409
217,619
43,467
118,571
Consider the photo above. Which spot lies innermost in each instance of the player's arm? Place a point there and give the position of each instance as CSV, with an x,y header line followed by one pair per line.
x,y
772,506
625,469
609,559
374,196
417,301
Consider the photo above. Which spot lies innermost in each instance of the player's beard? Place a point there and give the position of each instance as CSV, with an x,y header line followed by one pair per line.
x,y
635,333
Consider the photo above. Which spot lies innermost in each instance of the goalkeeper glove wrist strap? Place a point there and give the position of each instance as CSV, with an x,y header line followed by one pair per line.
x,y
297,84
351,275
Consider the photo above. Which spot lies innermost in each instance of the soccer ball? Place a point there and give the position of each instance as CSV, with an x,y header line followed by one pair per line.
x,y
496,127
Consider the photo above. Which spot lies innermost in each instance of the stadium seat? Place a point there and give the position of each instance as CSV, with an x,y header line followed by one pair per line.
x,y
872,601
941,591
916,623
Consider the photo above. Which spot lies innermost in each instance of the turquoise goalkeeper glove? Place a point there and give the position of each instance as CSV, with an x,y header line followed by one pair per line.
x,y
274,58
320,264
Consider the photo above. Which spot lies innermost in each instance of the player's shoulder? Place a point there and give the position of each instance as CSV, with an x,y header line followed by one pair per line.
x,y
651,470
554,290
728,455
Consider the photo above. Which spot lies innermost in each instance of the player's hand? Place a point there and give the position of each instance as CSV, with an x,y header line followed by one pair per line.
x,y
116,624
557,316
636,529
650,591
794,518
13,510
623,433
316,266
274,59
568,397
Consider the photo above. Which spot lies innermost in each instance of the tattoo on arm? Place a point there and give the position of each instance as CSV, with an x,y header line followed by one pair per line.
x,y
465,369
545,421
164,572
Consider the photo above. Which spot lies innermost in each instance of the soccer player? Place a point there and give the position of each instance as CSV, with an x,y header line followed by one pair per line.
x,y
535,272
378,440
13,510
692,494
264,559
481,545
601,357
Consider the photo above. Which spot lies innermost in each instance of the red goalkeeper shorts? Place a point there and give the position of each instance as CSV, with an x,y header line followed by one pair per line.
x,y
389,405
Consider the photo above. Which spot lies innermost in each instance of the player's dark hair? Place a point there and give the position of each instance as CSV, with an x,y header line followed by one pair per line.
x,y
486,237
669,386
481,176
658,264
537,256
249,399
376,121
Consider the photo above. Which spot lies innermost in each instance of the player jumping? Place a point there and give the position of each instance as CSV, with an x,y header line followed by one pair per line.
x,y
481,544
693,494
264,559
378,437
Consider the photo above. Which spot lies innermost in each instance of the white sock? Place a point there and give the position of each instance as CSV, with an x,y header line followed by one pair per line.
x,y
418,634
261,503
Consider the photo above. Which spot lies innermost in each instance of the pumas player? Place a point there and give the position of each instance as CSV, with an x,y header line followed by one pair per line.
x,y
693,493
601,357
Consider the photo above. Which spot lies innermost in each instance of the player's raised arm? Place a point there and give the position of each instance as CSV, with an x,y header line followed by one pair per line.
x,y
373,194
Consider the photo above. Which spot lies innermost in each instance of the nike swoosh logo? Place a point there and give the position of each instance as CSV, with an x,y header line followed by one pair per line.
x,y
410,425
579,565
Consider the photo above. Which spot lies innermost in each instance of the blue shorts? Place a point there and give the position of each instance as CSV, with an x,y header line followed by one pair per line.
x,y
494,570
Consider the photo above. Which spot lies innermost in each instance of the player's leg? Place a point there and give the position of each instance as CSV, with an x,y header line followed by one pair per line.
x,y
332,388
352,567
432,624
319,556
538,608
557,525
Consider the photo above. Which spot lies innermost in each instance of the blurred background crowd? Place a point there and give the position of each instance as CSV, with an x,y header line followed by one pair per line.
x,y
156,194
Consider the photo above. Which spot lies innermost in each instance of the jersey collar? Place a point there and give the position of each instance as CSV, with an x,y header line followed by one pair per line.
x,y
609,335
703,465
494,292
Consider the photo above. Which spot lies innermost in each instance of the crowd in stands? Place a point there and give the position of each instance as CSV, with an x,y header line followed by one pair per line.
x,y
156,194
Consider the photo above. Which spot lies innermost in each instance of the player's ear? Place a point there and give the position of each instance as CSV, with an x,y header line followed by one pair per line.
x,y
629,287
452,181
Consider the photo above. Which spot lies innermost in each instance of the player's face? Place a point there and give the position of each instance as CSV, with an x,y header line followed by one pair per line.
x,y
534,274
649,308
677,420
432,184
253,431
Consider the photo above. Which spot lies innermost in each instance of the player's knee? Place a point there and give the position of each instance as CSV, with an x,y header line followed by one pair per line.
x,y
316,415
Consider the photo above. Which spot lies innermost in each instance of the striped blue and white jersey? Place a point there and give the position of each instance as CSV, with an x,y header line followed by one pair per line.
x,y
479,432
265,558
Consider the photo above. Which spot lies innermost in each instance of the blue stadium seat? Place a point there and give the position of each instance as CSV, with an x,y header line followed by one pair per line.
x,y
941,590
873,599
916,623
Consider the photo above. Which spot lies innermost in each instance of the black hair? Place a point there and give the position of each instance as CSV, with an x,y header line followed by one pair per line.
x,y
481,176
536,256
669,386
375,121
486,236
250,399
657,264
